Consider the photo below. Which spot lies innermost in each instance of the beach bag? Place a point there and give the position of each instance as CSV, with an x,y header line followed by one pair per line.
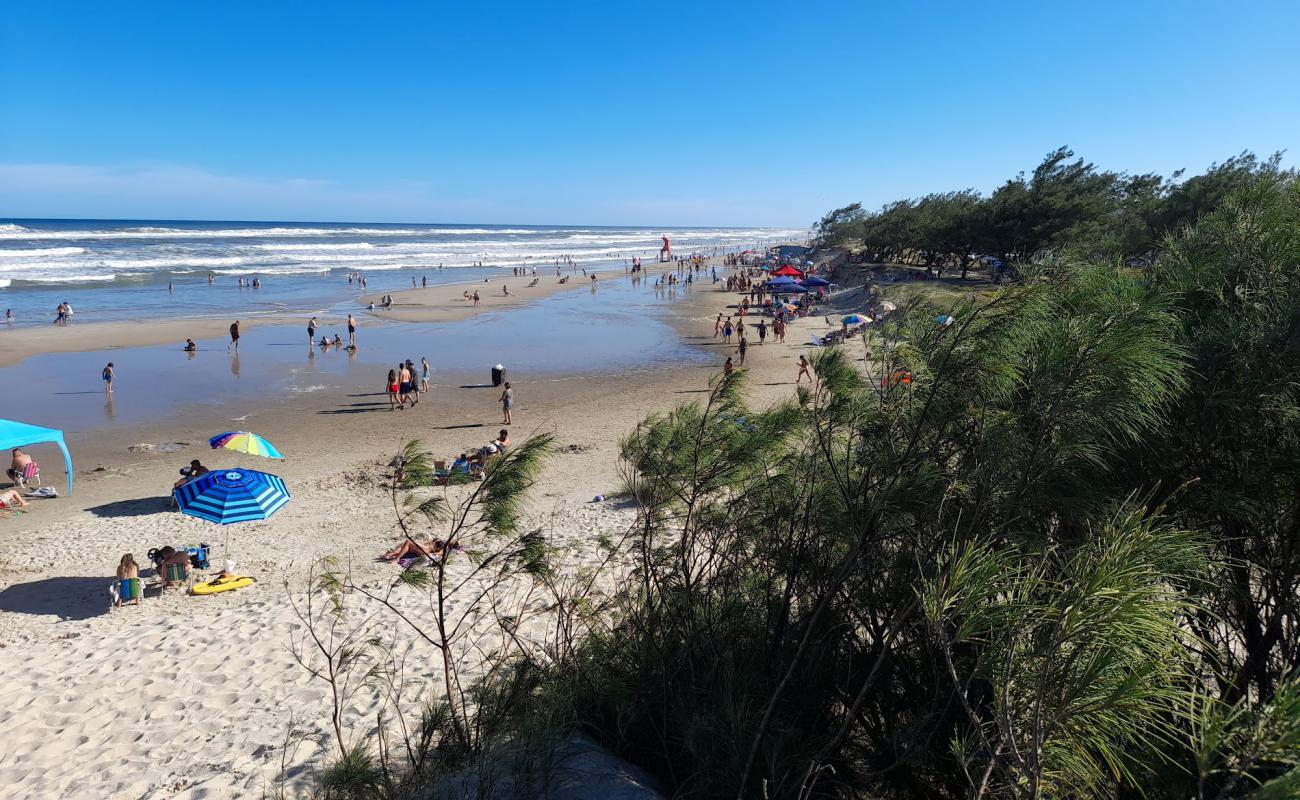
x,y
199,555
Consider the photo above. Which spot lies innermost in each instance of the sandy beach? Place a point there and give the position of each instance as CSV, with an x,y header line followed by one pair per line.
x,y
191,696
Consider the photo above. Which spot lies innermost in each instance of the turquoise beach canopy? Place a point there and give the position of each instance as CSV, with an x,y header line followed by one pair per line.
x,y
20,434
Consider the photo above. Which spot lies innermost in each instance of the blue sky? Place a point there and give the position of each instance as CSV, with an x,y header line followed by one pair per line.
x,y
701,113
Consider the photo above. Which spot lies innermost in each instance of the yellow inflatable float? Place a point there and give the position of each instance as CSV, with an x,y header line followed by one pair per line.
x,y
222,584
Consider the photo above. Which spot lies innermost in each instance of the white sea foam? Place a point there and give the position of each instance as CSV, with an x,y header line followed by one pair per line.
x,y
42,252
319,246
150,232
4,283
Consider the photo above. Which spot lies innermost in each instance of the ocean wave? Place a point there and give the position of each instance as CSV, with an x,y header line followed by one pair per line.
x,y
320,246
152,232
48,279
4,283
42,252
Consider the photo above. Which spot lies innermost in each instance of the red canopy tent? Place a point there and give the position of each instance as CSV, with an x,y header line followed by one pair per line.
x,y
786,269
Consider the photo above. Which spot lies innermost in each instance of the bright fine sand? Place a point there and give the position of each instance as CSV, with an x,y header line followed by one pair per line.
x,y
193,697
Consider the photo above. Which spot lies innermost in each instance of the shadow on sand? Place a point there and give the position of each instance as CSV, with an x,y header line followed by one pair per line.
x,y
139,507
70,598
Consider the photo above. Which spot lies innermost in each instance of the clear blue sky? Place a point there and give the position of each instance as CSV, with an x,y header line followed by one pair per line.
x,y
754,113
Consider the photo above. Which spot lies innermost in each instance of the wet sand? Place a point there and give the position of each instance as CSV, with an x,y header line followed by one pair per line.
x,y
440,303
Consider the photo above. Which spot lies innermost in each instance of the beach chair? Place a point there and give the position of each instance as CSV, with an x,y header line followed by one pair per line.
x,y
176,573
125,590
30,476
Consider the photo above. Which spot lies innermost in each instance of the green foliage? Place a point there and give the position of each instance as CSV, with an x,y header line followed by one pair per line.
x,y
1064,202
353,776
1062,562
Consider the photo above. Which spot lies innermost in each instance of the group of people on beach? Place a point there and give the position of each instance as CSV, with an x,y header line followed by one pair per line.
x,y
405,385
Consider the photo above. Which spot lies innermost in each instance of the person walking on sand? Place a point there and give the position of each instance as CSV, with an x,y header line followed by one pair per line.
x,y
415,382
744,345
424,374
475,298
804,371
726,331
762,331
108,375
352,331
403,385
311,331
507,402
234,337
392,388
717,327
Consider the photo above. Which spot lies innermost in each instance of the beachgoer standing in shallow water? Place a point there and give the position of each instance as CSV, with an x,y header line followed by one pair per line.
x,y
234,337
311,330
108,375
507,402
352,331
803,371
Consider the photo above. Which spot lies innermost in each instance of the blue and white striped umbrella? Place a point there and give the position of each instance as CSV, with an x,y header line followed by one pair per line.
x,y
232,495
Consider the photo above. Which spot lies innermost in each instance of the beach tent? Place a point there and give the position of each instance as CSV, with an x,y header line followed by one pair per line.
x,y
20,434
788,270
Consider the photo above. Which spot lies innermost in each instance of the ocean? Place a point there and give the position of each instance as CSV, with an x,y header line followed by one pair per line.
x,y
121,269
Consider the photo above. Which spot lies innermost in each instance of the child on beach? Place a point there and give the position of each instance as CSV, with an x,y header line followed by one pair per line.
x,y
107,375
507,401
392,386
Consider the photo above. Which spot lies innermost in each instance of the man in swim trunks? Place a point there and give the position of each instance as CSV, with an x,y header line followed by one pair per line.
x,y
18,465
352,331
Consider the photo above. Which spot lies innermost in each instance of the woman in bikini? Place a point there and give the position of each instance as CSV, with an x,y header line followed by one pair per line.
x,y
392,387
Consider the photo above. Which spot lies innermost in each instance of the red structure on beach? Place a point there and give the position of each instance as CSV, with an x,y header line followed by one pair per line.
x,y
666,252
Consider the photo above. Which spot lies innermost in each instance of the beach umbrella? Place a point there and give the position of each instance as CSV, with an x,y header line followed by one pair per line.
x,y
788,288
855,319
232,495
790,306
244,442
784,280
787,270
815,281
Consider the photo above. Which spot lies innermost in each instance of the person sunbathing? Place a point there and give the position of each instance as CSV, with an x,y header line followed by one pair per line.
x,y
194,470
9,498
415,548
